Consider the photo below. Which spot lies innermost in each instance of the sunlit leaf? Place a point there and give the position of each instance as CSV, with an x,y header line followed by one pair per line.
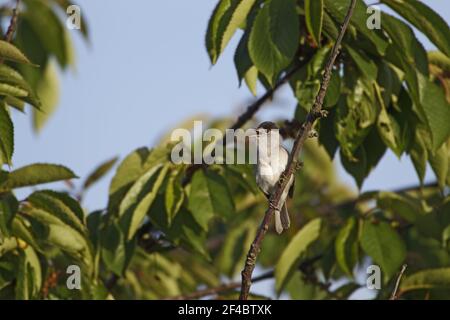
x,y
296,249
385,246
35,174
314,18
274,38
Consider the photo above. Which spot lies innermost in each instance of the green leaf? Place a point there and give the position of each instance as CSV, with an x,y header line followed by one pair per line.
x,y
385,246
48,28
243,175
251,79
440,164
14,85
8,90
8,209
424,19
61,206
314,18
306,82
29,275
94,222
128,171
48,92
346,246
327,136
99,172
68,240
399,205
21,229
138,190
407,54
338,9
365,158
356,113
356,166
242,59
233,252
388,127
334,91
419,155
146,202
209,197
7,273
296,249
330,29
274,38
174,195
16,103
6,136
35,174
301,289
12,53
114,250
437,111
438,278
225,20
366,65
59,226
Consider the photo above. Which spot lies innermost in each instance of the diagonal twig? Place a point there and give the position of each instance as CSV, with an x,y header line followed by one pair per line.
x,y
315,113
13,23
395,294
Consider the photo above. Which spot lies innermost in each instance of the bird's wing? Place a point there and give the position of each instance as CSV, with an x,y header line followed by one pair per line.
x,y
263,191
292,188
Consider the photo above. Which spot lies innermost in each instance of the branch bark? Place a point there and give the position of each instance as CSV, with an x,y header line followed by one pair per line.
x,y
13,22
12,25
315,113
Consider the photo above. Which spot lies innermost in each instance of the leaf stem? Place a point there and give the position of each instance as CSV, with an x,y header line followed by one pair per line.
x,y
395,293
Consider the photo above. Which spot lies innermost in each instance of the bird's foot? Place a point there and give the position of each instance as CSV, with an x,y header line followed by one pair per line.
x,y
273,206
299,165
282,178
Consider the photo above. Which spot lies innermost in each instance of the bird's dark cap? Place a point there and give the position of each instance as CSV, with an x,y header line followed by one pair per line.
x,y
267,125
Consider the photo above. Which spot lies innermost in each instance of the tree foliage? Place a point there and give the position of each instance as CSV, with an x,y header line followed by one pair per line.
x,y
161,235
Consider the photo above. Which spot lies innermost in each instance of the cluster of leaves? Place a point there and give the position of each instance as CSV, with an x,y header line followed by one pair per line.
x,y
46,221
386,92
159,238
41,35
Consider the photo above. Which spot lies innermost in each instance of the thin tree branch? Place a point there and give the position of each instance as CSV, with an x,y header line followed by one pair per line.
x,y
395,294
13,23
246,116
315,113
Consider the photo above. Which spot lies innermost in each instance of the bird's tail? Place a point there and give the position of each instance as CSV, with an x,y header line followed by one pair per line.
x,y
282,220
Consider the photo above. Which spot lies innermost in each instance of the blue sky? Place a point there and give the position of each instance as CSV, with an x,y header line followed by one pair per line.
x,y
145,70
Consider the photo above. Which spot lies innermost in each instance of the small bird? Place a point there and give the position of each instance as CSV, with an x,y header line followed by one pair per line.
x,y
272,159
